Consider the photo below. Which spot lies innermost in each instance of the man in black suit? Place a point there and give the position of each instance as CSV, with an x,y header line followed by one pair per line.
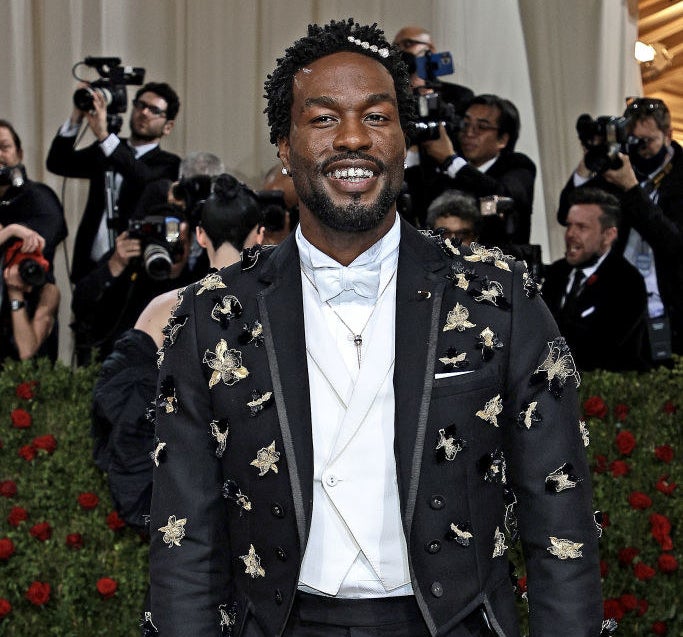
x,y
597,297
134,162
342,418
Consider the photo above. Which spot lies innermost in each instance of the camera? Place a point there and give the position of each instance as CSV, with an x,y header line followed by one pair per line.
x,y
432,111
111,86
159,236
33,266
604,138
14,176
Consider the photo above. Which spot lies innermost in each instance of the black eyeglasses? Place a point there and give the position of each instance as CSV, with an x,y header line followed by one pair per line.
x,y
477,127
141,105
643,105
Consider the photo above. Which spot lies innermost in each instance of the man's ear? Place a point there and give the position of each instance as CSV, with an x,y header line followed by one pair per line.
x,y
503,141
168,126
283,152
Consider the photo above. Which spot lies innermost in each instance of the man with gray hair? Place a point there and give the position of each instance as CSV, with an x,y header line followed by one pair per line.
x,y
455,215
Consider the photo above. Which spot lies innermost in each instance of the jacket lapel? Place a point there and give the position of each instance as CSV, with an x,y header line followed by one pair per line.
x,y
419,292
281,308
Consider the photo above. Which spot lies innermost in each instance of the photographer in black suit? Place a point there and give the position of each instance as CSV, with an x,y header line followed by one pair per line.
x,y
597,297
134,162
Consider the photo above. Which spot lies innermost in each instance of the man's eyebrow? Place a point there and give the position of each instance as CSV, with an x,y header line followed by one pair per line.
x,y
330,102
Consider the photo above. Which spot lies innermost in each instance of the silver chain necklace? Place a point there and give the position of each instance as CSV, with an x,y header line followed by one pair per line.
x,y
356,337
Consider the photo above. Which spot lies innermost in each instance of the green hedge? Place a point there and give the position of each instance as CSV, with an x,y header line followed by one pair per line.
x,y
96,568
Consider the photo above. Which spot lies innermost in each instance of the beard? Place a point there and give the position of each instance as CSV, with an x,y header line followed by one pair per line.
x,y
353,216
140,136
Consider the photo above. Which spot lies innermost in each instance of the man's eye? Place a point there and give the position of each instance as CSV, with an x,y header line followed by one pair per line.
x,y
376,117
323,119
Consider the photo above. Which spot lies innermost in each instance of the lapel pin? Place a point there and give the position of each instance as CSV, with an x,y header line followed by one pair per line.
x,y
423,295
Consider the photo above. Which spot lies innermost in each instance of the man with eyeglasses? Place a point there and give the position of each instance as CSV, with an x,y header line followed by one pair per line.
x,y
486,165
649,185
134,163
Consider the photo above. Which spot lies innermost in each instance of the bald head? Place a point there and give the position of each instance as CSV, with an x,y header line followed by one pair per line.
x,y
415,40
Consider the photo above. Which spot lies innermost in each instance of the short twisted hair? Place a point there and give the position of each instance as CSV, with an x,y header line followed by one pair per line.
x,y
320,42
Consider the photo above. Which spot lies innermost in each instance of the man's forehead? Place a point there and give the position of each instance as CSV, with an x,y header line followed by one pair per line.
x,y
150,96
585,211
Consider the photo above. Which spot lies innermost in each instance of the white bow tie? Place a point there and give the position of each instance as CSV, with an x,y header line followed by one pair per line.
x,y
332,281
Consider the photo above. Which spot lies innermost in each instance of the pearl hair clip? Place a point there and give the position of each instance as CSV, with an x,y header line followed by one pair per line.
x,y
383,52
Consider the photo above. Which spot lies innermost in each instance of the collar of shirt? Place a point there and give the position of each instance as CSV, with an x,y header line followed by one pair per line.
x,y
374,267
487,164
588,272
142,148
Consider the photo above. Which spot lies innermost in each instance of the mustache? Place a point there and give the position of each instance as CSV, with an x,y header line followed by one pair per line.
x,y
351,156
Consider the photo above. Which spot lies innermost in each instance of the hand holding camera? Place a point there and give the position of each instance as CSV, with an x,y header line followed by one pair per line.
x,y
127,248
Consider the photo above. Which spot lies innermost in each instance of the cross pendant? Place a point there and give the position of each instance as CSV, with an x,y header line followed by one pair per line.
x,y
358,342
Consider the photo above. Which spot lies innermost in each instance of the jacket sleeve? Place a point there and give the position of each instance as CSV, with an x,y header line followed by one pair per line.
x,y
557,529
65,160
189,552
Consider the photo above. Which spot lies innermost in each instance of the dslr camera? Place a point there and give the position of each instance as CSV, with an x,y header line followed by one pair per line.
x,y
14,176
159,235
33,266
193,192
604,138
111,86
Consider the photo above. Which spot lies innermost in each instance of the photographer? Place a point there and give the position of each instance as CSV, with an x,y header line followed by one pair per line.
x,y
134,163
645,172
28,302
488,166
26,202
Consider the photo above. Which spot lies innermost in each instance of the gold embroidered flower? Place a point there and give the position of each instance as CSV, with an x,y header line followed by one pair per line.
x,y
174,531
457,319
266,459
252,563
491,410
226,363
221,437
449,444
558,366
489,255
211,281
583,430
564,549
529,416
499,545
454,361
489,292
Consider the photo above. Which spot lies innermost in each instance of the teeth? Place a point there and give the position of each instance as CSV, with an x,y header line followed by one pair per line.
x,y
355,174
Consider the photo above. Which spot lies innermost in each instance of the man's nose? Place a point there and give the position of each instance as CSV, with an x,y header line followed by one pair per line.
x,y
352,134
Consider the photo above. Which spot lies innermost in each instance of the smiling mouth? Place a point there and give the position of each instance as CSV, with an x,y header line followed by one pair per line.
x,y
350,174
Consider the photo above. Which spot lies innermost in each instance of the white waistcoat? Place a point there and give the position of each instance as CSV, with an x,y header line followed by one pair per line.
x,y
356,546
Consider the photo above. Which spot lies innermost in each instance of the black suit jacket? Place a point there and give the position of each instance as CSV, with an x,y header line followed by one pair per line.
x,y
201,579
607,326
91,163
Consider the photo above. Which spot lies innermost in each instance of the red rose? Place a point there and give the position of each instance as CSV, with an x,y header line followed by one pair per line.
x,y
639,500
114,522
625,442
8,489
627,555
16,516
665,453
27,452
619,468
521,584
604,569
5,607
660,527
21,419
643,572
600,464
642,607
669,407
106,587
666,563
620,411
6,548
46,443
605,520
612,609
595,406
664,486
25,390
628,601
41,531
660,628
88,500
38,593
74,541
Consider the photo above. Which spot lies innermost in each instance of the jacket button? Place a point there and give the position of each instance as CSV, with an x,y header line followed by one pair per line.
x,y
281,554
433,547
277,510
437,502
278,596
437,589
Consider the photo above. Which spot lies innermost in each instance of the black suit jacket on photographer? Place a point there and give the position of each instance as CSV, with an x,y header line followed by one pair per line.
x,y
660,224
512,175
91,163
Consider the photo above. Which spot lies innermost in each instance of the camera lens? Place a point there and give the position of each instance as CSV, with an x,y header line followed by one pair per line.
x,y
157,262
83,97
31,273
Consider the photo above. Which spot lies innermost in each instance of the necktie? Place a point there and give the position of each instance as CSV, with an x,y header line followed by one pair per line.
x,y
332,281
574,291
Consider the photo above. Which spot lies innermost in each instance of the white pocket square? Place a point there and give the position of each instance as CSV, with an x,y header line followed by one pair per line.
x,y
449,374
588,312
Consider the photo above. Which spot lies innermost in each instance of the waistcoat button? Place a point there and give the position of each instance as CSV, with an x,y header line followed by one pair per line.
x,y
433,547
437,589
277,510
437,502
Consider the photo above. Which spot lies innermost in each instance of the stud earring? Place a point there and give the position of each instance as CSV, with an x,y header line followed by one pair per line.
x,y
284,171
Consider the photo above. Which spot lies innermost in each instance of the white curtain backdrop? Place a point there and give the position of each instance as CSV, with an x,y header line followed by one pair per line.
x,y
555,59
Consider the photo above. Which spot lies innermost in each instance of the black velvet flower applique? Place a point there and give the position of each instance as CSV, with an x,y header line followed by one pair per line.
x,y
493,468
167,399
557,368
561,479
461,276
488,342
259,401
252,334
226,309
532,285
448,446
172,328
454,360
490,292
232,492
